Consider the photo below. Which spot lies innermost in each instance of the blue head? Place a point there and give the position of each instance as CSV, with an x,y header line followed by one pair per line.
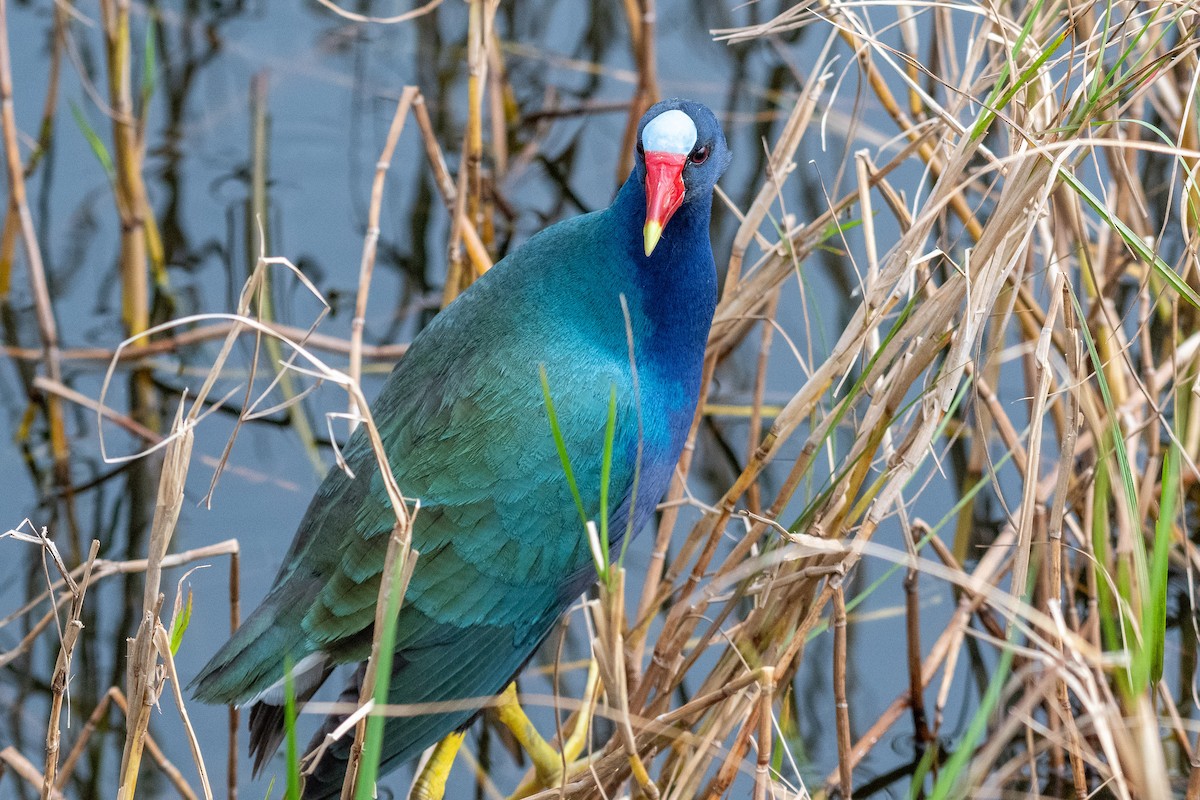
x,y
681,153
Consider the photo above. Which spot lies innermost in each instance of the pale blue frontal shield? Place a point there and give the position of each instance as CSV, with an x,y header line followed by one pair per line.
x,y
670,132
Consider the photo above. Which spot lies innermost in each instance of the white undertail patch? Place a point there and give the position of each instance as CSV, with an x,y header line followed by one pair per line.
x,y
305,675
670,132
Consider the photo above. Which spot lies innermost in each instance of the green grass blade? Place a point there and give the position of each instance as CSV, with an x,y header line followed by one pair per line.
x,y
1131,239
1154,620
561,444
94,142
610,433
999,97
149,66
179,624
949,780
368,769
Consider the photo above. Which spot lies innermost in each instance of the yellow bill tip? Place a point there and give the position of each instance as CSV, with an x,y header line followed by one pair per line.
x,y
652,233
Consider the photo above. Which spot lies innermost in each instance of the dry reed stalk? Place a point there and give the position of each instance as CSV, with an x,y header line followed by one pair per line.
x,y
47,328
462,227
754,428
642,17
12,217
501,107
412,14
145,671
141,248
235,714
467,214
171,344
840,700
114,696
62,668
371,240
24,769
762,775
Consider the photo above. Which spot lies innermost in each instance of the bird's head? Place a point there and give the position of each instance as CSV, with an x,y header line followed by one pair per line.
x,y
681,152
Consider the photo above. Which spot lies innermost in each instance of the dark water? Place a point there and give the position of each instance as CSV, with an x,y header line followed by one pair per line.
x,y
331,87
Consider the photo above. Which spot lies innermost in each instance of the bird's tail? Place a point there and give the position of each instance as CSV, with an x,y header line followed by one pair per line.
x,y
249,668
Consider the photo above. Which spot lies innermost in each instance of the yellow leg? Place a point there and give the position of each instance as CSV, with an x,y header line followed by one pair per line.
x,y
431,783
583,723
547,761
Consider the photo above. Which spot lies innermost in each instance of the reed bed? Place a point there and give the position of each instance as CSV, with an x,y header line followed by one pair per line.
x,y
1026,340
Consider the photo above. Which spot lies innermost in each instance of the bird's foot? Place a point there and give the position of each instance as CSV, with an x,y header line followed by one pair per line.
x,y
547,762
431,783
550,766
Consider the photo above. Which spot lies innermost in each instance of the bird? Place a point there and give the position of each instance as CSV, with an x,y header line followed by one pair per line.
x,y
616,303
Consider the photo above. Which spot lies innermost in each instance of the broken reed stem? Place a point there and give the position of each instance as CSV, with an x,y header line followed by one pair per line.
x,y
114,696
235,714
762,775
102,569
144,689
47,328
841,703
143,681
371,240
62,670
916,689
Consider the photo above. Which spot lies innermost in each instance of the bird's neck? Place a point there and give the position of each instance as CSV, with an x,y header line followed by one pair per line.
x,y
677,284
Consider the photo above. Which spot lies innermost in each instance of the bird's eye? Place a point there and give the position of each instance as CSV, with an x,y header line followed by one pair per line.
x,y
699,155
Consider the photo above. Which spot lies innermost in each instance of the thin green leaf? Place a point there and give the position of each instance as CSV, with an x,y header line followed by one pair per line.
x,y
1154,621
179,624
561,444
372,752
610,432
1139,246
948,782
149,66
98,148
